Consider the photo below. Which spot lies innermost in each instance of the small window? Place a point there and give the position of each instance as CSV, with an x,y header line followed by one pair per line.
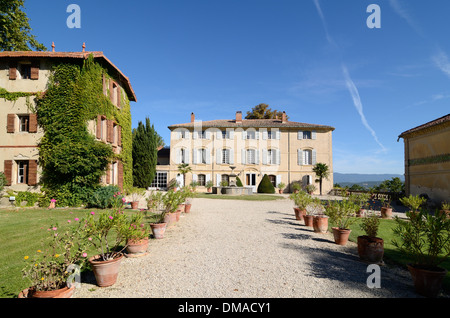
x,y
22,171
25,71
201,180
183,134
183,155
24,123
225,178
306,135
251,156
202,155
226,156
273,180
225,134
251,134
307,157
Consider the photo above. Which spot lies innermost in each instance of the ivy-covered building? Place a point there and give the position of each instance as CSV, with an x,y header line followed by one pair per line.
x,y
72,92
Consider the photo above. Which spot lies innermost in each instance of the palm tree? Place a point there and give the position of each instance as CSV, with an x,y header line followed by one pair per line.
x,y
321,171
184,168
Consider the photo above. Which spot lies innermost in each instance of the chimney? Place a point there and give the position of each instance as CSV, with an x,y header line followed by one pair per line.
x,y
83,47
53,46
239,117
283,117
192,117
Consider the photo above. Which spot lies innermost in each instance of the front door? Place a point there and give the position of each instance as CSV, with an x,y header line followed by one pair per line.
x,y
251,181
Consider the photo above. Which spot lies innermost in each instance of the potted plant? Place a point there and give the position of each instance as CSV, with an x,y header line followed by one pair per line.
x,y
170,201
361,199
208,185
281,187
301,200
49,270
155,204
137,236
370,247
386,208
445,209
340,214
107,233
188,195
297,187
413,202
425,238
319,219
136,195
310,188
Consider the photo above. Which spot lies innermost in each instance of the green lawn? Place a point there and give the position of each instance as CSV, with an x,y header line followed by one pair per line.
x,y
21,232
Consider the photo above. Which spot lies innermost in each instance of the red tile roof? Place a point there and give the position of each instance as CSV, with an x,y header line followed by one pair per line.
x,y
75,55
430,124
247,123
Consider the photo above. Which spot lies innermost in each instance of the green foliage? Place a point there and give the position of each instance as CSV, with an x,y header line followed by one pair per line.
x,y
25,196
301,199
104,197
262,111
145,152
413,202
370,225
424,236
341,212
72,160
238,182
15,28
3,181
394,185
322,172
265,186
184,169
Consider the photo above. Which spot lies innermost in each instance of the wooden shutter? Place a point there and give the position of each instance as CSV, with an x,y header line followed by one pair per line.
x,y
33,125
10,126
13,71
109,130
34,71
108,174
32,172
8,171
120,175
98,131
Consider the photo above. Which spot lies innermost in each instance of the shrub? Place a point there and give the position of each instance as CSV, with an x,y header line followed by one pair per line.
x,y
104,197
238,182
2,181
265,186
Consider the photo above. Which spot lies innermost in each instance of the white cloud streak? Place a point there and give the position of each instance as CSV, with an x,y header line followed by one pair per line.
x,y
349,82
440,59
403,13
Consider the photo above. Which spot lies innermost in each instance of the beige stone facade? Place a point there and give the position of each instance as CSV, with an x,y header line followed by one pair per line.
x,y
284,150
427,159
28,72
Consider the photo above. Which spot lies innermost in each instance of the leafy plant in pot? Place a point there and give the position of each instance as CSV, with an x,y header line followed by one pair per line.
x,y
341,216
188,194
319,219
413,202
136,195
370,247
281,187
386,208
155,204
425,238
49,270
107,233
137,236
170,201
301,200
361,199
445,209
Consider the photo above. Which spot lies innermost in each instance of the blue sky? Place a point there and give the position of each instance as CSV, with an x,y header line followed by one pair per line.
x,y
315,59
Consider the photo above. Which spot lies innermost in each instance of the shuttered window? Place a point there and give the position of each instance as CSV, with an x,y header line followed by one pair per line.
x,y
7,169
11,123
13,71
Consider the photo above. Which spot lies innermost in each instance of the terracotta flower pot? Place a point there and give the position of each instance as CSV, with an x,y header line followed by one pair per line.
x,y
158,230
187,207
180,207
64,292
386,213
170,218
105,272
134,205
298,214
320,223
135,247
308,220
340,235
427,282
371,249
446,212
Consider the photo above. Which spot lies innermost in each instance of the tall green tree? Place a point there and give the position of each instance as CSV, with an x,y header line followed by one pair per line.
x,y
145,154
263,111
15,30
322,172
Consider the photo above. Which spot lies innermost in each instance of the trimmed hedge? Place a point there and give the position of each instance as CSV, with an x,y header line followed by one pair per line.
x,y
265,186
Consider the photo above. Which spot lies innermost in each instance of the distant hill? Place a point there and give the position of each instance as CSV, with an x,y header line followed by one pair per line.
x,y
367,179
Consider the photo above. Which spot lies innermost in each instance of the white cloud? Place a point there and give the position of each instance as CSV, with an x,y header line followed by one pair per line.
x,y
403,13
440,59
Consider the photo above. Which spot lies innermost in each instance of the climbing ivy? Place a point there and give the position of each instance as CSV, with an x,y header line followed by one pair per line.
x,y
72,160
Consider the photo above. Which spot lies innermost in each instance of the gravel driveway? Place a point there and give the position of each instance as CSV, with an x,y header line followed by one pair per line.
x,y
247,249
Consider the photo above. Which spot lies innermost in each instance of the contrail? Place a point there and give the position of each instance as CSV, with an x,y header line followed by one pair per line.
x,y
349,82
